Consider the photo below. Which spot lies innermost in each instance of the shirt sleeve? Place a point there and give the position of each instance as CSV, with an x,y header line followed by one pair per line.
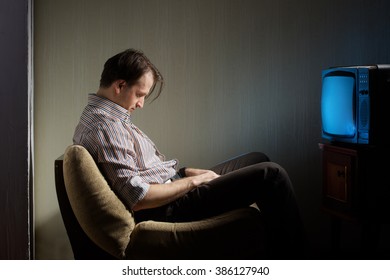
x,y
116,160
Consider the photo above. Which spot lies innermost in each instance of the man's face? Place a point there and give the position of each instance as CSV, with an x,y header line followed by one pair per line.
x,y
133,97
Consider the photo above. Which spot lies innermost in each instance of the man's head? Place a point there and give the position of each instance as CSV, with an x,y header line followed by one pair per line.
x,y
129,66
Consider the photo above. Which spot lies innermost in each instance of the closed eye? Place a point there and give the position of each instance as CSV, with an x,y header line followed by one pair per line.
x,y
140,95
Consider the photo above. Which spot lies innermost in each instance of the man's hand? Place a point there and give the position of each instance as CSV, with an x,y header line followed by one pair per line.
x,y
194,171
201,176
160,194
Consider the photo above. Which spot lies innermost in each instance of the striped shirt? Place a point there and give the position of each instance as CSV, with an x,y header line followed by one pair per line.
x,y
127,158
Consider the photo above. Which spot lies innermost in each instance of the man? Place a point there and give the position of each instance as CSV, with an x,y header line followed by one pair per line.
x,y
153,187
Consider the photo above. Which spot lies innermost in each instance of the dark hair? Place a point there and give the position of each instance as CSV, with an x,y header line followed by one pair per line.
x,y
130,65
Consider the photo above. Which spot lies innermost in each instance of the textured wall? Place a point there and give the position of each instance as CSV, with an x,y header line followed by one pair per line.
x,y
240,76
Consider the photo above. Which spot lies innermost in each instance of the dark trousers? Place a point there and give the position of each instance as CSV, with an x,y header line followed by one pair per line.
x,y
247,179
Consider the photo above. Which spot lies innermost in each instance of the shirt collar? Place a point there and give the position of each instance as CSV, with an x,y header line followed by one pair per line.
x,y
109,107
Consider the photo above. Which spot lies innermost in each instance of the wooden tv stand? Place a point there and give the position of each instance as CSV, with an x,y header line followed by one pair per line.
x,y
355,188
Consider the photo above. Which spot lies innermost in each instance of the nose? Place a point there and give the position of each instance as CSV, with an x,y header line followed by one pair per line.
x,y
140,103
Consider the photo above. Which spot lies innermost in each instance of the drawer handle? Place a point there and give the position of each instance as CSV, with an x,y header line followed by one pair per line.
x,y
341,173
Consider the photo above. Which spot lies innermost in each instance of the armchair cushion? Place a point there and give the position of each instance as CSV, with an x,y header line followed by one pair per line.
x,y
100,213
237,234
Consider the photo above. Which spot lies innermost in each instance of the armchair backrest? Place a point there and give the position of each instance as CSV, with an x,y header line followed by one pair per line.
x,y
94,216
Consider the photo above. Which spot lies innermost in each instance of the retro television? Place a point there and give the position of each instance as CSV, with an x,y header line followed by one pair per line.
x,y
355,107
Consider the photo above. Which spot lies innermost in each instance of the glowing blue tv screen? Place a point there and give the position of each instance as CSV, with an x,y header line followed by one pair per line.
x,y
337,106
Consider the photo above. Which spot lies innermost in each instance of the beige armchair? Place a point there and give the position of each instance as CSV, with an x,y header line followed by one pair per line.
x,y
100,227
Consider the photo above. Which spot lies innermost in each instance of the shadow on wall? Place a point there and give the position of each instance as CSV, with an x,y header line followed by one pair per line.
x,y
57,247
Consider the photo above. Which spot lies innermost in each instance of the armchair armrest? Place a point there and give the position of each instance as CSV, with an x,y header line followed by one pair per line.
x,y
239,233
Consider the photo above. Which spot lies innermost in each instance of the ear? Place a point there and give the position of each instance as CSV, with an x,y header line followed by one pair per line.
x,y
119,85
